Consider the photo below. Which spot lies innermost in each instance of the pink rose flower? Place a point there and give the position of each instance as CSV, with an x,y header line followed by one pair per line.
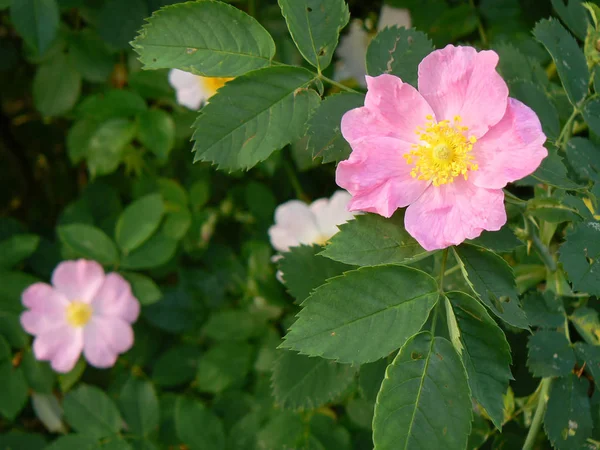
x,y
84,310
445,151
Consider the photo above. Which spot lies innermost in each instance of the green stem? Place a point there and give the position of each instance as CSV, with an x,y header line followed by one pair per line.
x,y
452,270
567,130
338,85
482,35
294,180
536,424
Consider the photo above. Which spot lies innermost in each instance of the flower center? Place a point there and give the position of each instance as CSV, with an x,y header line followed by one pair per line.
x,y
321,240
212,84
78,313
444,152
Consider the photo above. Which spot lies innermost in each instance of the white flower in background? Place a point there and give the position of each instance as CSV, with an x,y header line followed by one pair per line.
x,y
298,223
352,50
193,90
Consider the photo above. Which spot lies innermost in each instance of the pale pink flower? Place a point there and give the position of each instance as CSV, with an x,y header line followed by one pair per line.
x,y
297,223
445,151
193,91
84,310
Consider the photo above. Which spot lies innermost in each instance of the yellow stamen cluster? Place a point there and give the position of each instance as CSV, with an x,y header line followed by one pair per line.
x,y
212,84
444,152
78,313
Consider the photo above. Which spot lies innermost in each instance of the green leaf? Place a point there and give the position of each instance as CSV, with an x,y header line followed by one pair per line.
x,y
552,210
16,440
192,37
573,15
398,51
74,442
156,251
277,103
223,365
178,365
315,27
371,240
579,257
106,147
486,354
197,427
544,310
91,412
139,221
425,388
370,378
68,380
112,104
493,281
11,329
568,57
533,95
501,241
36,21
590,354
56,86
587,324
304,270
568,419
17,248
283,430
38,374
13,395
118,21
515,65
88,242
364,314
301,382
12,285
177,224
325,138
156,131
231,325
552,171
90,56
591,114
139,405
177,312
550,354
584,156
144,288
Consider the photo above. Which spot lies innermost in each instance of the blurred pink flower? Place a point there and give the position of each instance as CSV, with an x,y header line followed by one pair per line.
x,y
445,151
84,310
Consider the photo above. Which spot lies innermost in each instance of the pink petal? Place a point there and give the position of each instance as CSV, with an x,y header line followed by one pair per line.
x,y
378,176
104,339
36,323
115,299
448,214
61,346
511,150
295,224
43,298
78,280
392,108
461,81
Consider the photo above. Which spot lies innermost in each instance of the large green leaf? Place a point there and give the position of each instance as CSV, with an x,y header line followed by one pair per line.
x,y
579,257
590,354
139,221
552,171
207,37
568,57
364,314
36,21
584,156
568,419
38,374
139,405
315,27
302,382
424,402
573,14
398,51
89,242
277,102
13,395
16,248
591,114
90,411
197,427
492,279
56,86
550,354
485,354
371,240
325,138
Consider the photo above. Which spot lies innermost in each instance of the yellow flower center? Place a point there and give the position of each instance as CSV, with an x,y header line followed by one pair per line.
x,y
444,152
78,313
321,240
212,84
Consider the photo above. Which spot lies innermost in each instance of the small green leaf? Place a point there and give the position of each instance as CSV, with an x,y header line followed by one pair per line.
x,y
552,210
118,21
486,354
89,242
579,257
186,36
68,380
12,285
501,241
544,310
38,374
550,354
304,270
371,240
231,325
176,366
493,281
584,156
197,427
156,131
91,412
37,21
283,430
17,248
178,311
144,288
13,395
552,171
568,57
56,86
277,103
223,365
591,114
74,442
425,388
139,221
573,14
302,382
107,144
587,324
568,419
533,95
364,314
315,27
139,405
398,51
325,138
590,354
112,104
90,56
156,251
